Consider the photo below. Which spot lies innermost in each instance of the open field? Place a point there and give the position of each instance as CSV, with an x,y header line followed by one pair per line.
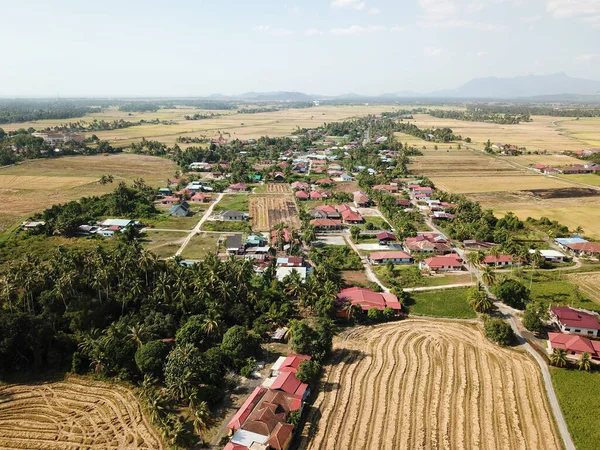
x,y
35,185
544,133
429,384
578,394
73,414
551,159
586,178
277,188
450,303
268,211
478,182
237,202
164,243
346,186
589,283
229,125
201,245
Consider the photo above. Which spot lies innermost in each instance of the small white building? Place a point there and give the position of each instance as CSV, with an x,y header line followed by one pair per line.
x,y
551,255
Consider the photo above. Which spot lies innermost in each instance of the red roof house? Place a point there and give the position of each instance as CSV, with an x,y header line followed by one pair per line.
x,y
288,363
585,248
327,224
397,257
574,345
444,263
281,436
246,409
288,382
349,216
202,198
385,236
324,181
302,195
361,199
576,321
500,260
367,299
318,195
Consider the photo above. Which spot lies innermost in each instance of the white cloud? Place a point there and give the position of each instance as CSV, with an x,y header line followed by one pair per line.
x,y
447,14
354,4
312,32
295,10
532,19
429,51
273,31
355,30
573,8
588,57
373,11
397,28
481,54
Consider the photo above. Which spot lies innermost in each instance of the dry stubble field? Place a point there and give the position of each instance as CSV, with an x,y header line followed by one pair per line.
x,y
74,414
278,188
589,283
429,384
268,211
35,185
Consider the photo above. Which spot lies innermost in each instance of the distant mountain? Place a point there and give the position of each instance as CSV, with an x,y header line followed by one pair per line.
x,y
525,86
272,96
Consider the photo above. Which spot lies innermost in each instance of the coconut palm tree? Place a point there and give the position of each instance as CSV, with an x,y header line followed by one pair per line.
x,y
558,357
201,419
137,333
579,230
309,235
584,362
488,275
293,284
211,322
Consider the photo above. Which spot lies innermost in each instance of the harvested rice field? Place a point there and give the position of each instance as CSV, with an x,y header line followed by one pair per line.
x,y
428,384
268,211
73,414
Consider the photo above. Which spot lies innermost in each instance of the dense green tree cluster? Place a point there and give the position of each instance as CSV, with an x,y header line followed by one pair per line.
x,y
139,106
476,115
499,331
28,110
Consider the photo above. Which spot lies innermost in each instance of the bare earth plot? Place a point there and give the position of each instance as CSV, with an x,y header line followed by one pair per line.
x,y
589,283
429,384
278,188
268,211
489,183
73,415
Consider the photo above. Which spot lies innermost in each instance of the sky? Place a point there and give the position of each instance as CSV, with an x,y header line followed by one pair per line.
x,y
132,48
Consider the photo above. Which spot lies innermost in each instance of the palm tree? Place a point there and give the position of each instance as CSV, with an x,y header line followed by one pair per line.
x,y
480,301
536,260
579,230
355,232
558,357
201,419
584,362
137,333
350,309
488,275
211,322
309,234
293,284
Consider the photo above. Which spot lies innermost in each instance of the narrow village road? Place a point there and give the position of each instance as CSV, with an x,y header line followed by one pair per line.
x,y
196,229
370,274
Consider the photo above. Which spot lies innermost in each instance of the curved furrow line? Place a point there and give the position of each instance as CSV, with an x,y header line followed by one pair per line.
x,y
403,433
447,412
411,410
433,404
474,395
383,392
500,413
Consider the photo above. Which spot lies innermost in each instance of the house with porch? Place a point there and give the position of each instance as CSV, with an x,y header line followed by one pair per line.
x,y
397,257
366,299
575,321
575,346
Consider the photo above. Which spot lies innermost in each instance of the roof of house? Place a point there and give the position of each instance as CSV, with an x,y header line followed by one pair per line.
x,y
318,194
287,235
378,256
490,259
201,196
324,181
361,197
571,342
231,446
232,213
290,261
570,240
302,194
242,414
549,253
351,216
280,435
588,247
325,222
238,186
443,261
289,363
326,208
288,382
368,299
385,235
574,318
234,241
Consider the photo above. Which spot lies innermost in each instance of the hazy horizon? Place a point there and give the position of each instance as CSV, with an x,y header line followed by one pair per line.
x,y
195,49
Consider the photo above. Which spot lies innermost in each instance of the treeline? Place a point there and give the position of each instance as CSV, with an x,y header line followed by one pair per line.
x,y
198,116
527,110
476,115
139,107
29,110
438,134
135,201
257,110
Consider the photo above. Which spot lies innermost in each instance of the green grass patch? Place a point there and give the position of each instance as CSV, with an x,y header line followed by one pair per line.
x,y
201,245
548,288
410,276
224,225
336,256
377,221
579,397
236,202
175,223
451,303
163,244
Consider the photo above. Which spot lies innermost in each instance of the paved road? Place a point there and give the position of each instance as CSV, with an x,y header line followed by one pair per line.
x,y
196,229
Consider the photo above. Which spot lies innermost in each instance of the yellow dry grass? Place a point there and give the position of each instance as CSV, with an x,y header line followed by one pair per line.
x,y
428,384
35,185
477,183
278,188
73,414
268,211
589,283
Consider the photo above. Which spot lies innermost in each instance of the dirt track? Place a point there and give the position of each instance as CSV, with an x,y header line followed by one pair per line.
x,y
429,384
77,414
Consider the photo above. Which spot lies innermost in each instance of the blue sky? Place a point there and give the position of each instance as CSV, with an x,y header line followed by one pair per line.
x,y
199,47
